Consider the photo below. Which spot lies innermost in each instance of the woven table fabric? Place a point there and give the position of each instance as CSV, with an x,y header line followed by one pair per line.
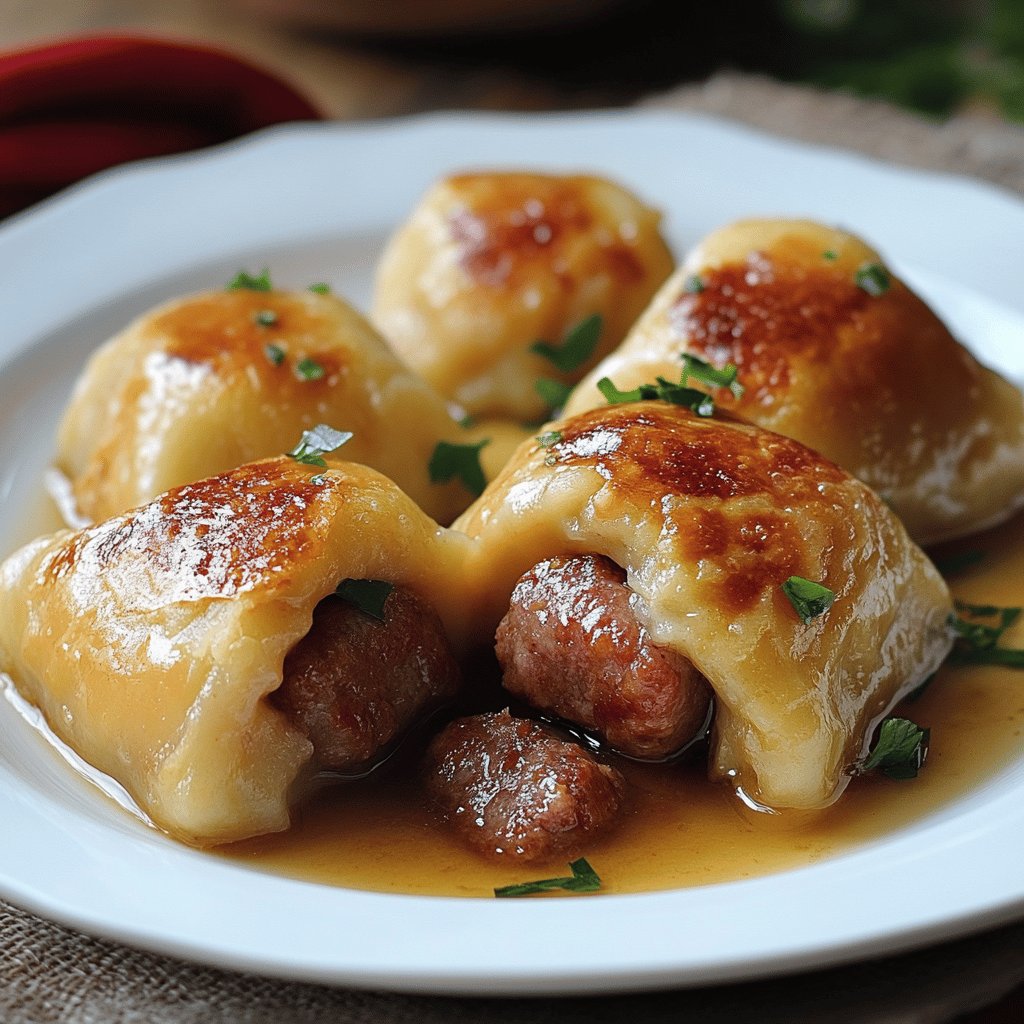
x,y
49,974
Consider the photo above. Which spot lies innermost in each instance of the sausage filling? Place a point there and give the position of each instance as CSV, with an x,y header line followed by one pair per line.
x,y
513,789
571,645
354,683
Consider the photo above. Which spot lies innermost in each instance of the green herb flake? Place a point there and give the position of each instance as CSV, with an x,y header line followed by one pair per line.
x,y
577,347
461,462
309,369
548,438
808,598
265,318
664,390
316,443
978,641
275,354
583,879
554,392
367,595
244,281
830,255
320,288
705,373
693,285
899,752
873,278
467,421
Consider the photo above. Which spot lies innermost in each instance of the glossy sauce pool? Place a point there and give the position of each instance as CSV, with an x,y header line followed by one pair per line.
x,y
678,830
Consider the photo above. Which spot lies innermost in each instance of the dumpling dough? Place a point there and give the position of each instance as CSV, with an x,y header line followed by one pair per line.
x,y
708,517
873,381
192,389
490,263
151,641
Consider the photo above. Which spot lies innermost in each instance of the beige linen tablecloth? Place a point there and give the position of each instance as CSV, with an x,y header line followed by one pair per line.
x,y
50,974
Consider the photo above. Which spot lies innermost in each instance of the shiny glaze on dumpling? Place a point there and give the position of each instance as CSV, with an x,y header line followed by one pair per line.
x,y
491,262
847,360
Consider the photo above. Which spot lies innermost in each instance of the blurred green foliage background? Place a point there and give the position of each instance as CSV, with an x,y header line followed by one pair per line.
x,y
932,56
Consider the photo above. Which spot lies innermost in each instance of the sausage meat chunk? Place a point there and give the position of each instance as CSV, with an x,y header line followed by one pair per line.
x,y
513,789
571,644
355,683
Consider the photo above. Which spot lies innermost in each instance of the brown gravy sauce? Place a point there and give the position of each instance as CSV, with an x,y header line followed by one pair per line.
x,y
678,829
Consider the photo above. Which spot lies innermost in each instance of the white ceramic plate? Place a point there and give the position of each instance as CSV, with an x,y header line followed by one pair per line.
x,y
317,202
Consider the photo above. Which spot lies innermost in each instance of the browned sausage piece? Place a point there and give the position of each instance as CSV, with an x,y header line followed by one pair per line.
x,y
514,789
354,683
571,645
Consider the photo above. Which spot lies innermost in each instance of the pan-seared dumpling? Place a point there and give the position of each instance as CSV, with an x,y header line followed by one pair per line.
x,y
170,646
834,350
490,263
708,518
206,383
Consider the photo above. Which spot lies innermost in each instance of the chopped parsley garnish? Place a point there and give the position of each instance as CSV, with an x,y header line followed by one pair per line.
x,y
321,288
265,317
956,563
274,353
243,280
831,255
576,349
899,752
872,278
549,437
699,402
467,421
808,598
978,641
459,461
583,879
316,443
554,392
693,284
367,595
309,369
706,374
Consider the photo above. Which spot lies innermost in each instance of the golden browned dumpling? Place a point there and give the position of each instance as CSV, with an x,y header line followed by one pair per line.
x,y
709,517
153,641
836,351
209,382
490,263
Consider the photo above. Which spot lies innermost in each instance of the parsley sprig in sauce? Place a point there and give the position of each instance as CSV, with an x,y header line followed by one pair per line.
x,y
583,879
979,629
899,752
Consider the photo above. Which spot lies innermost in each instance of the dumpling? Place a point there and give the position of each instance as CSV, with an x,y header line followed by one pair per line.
x,y
708,518
206,383
834,350
490,263
174,647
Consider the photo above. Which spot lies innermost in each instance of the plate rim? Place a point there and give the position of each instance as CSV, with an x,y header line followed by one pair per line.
x,y
557,980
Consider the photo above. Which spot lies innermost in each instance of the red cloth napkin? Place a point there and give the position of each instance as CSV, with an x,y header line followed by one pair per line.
x,y
75,107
